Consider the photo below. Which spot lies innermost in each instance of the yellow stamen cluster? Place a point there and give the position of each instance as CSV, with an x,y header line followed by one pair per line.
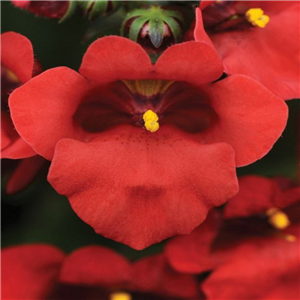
x,y
120,296
278,219
256,17
150,118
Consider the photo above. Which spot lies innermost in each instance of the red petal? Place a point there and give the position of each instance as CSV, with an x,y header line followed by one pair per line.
x,y
251,118
277,67
205,3
17,55
45,114
115,58
258,269
95,265
266,6
12,145
139,188
19,149
29,272
192,62
24,174
155,276
289,192
200,34
6,137
256,195
193,253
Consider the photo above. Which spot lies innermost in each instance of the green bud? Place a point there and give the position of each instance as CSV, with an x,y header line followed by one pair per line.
x,y
153,27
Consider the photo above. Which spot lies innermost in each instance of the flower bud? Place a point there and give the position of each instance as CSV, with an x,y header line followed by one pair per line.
x,y
94,9
154,28
49,9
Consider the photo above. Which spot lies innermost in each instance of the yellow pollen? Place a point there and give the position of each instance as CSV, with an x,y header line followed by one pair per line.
x,y
120,296
150,118
256,17
278,219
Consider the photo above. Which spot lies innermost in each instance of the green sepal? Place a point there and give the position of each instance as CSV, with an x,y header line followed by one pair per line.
x,y
136,27
71,9
175,28
156,31
99,8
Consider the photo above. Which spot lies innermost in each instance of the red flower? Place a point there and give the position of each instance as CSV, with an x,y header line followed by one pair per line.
x,y
260,43
261,200
17,66
132,185
50,9
92,272
259,269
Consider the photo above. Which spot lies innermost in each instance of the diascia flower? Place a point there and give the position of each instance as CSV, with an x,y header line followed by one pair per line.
x,y
40,271
252,252
263,209
261,268
143,151
17,67
257,38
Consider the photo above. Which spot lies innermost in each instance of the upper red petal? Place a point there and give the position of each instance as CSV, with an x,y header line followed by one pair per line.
x,y
29,272
192,62
269,55
138,187
200,34
251,118
256,195
17,55
115,58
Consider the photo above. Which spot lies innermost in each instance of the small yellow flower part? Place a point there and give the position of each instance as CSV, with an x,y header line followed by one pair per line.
x,y
150,118
120,296
256,17
12,76
278,219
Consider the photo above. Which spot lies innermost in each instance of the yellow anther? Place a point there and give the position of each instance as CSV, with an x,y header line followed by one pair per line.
x,y
150,118
120,296
278,219
150,115
256,17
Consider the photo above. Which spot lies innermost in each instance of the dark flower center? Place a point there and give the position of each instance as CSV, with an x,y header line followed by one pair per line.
x,y
229,16
126,102
84,292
